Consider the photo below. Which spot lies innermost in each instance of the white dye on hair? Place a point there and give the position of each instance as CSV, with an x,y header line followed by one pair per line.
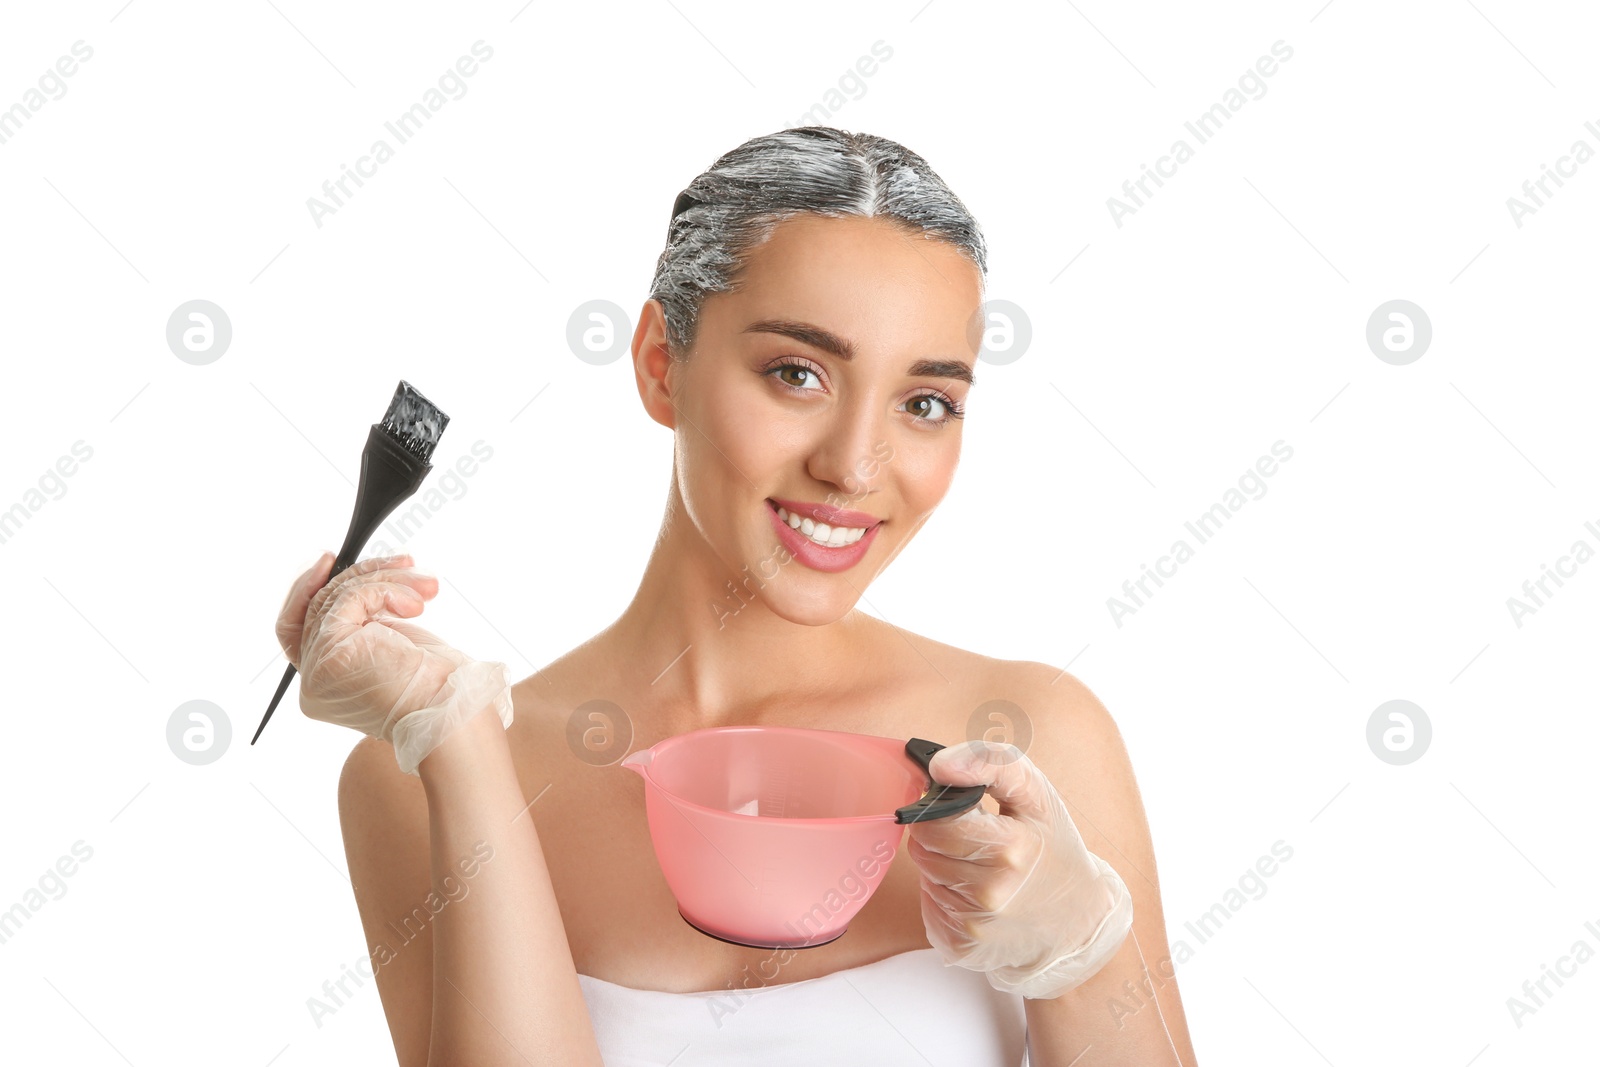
x,y
818,170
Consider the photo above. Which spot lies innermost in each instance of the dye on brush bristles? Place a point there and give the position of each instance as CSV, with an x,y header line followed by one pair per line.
x,y
414,422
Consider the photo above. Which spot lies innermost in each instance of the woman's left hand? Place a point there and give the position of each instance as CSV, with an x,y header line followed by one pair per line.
x,y
1016,895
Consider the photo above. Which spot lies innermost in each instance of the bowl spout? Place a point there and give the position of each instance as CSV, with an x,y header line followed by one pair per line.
x,y
637,761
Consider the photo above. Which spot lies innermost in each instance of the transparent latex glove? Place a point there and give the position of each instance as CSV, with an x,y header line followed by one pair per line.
x,y
1016,895
363,668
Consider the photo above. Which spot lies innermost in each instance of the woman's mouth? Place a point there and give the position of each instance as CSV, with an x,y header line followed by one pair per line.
x,y
820,532
822,545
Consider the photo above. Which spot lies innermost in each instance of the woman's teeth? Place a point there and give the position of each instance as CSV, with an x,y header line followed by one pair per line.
x,y
821,532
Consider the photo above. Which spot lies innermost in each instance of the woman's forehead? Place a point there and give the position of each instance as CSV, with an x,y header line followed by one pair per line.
x,y
861,268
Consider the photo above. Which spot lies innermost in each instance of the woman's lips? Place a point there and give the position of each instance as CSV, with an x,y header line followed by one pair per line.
x,y
824,513
826,558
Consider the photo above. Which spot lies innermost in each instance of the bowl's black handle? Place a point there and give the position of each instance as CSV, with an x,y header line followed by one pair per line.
x,y
940,801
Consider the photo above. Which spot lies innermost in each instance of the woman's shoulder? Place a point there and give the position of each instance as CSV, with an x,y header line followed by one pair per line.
x,y
1005,678
1012,700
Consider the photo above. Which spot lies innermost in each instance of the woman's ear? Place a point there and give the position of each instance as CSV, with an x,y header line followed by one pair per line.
x,y
652,363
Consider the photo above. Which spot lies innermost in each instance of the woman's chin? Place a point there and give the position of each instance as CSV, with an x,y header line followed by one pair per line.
x,y
797,595
810,612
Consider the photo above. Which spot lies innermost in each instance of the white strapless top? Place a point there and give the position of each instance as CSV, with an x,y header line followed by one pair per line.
x,y
910,1008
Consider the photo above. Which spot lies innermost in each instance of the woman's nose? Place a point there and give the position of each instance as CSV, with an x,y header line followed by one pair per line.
x,y
847,451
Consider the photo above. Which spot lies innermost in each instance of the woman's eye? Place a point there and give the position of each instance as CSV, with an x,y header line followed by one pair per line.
x,y
934,411
799,372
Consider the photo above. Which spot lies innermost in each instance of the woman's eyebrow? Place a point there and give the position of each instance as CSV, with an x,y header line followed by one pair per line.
x,y
831,343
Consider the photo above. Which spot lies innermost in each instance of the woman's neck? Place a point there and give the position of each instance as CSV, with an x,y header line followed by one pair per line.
x,y
706,645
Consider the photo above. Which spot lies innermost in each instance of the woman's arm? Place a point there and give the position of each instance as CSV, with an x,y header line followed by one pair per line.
x,y
1129,1012
470,953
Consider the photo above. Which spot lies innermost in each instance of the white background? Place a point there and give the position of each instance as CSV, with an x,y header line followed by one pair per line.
x,y
1167,355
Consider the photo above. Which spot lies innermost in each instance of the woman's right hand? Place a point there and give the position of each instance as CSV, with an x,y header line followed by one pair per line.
x,y
359,666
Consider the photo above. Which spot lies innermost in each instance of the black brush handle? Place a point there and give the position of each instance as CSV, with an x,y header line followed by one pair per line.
x,y
939,801
389,474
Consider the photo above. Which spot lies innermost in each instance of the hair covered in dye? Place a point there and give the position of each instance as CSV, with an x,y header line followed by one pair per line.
x,y
741,198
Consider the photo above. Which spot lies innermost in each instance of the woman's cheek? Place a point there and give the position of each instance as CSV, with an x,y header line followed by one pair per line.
x,y
924,471
753,439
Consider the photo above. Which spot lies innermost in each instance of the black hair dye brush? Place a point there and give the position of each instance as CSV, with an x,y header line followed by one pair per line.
x,y
393,466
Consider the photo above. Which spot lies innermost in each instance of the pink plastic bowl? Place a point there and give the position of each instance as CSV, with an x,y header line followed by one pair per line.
x,y
776,836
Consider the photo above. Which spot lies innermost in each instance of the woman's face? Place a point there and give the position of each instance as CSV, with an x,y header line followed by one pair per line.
x,y
831,379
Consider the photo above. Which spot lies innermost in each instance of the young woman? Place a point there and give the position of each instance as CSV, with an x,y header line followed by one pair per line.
x,y
810,340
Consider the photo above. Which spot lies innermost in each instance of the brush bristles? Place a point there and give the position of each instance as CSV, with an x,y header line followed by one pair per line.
x,y
414,422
